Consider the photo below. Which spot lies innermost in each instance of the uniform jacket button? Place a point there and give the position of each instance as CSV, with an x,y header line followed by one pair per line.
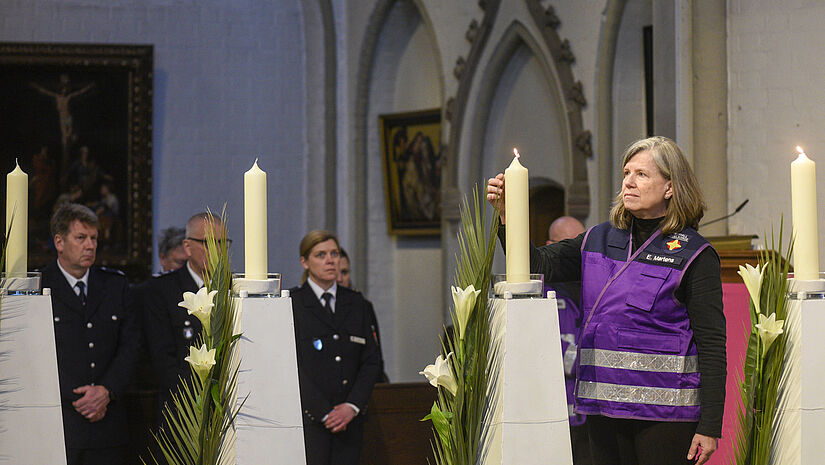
x,y
91,345
337,358
92,364
336,337
89,325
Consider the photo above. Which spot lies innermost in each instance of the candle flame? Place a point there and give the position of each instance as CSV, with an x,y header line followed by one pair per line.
x,y
799,149
515,152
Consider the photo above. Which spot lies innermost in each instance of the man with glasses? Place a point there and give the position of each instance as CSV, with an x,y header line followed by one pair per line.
x,y
169,329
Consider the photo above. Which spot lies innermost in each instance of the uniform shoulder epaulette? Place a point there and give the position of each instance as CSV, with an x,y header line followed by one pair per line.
x,y
161,274
112,270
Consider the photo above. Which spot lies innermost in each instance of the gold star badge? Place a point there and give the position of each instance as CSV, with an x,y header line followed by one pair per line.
x,y
674,244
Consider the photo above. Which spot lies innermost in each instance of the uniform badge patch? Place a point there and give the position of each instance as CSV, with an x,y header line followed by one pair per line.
x,y
674,244
317,344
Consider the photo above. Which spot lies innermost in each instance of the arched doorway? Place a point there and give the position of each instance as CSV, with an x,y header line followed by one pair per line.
x,y
546,204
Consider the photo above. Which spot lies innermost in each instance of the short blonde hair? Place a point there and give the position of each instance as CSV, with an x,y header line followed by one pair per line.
x,y
687,205
312,239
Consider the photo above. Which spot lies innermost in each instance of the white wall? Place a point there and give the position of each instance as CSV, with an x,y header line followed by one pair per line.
x,y
776,65
404,273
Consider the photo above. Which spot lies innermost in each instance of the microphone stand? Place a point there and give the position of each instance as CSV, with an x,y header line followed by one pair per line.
x,y
738,209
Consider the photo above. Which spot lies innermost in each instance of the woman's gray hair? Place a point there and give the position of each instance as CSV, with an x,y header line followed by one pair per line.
x,y
687,205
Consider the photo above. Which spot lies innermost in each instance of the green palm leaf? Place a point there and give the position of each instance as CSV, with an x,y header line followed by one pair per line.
x,y
759,381
461,422
200,425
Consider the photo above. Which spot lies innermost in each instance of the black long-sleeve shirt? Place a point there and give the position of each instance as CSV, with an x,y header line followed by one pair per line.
x,y
700,291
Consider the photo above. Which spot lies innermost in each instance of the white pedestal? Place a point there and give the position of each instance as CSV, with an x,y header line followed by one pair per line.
x,y
269,425
532,426
812,371
31,422
801,427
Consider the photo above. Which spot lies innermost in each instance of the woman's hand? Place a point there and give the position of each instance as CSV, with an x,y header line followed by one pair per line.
x,y
702,445
495,193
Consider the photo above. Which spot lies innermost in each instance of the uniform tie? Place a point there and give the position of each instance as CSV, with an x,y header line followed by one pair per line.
x,y
328,303
81,286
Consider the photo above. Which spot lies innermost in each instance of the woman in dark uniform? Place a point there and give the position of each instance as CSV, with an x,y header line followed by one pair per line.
x,y
651,368
338,359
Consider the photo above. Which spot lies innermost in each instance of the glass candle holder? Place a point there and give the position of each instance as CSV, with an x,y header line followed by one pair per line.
x,y
244,287
20,283
530,289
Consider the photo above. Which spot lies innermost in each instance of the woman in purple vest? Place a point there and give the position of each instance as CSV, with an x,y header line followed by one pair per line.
x,y
651,369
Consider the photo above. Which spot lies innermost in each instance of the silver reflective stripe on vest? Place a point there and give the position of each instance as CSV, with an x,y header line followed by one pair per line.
x,y
639,362
638,394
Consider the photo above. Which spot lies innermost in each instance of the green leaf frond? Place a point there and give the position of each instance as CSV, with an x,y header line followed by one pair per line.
x,y
200,424
463,419
759,393
4,244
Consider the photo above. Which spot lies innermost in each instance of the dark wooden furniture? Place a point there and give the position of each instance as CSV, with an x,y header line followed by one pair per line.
x,y
394,434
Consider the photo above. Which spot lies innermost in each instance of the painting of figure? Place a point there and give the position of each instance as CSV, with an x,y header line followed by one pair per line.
x,y
413,161
77,119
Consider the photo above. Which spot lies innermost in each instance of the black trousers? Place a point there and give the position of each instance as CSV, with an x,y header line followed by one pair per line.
x,y
103,456
616,441
581,445
325,448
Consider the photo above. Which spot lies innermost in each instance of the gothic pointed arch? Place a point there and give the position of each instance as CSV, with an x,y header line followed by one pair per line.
x,y
358,164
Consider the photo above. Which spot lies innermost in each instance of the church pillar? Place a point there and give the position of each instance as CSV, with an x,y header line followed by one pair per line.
x,y
710,100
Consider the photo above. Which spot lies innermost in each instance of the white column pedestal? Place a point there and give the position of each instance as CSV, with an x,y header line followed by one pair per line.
x,y
812,373
801,426
532,425
31,422
269,425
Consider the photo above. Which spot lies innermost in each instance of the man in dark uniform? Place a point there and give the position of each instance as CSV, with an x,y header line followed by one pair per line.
x,y
338,361
96,337
169,330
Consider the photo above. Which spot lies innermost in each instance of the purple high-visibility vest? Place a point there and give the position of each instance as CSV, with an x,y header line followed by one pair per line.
x,y
637,355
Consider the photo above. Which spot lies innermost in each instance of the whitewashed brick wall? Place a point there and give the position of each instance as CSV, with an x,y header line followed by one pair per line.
x,y
776,100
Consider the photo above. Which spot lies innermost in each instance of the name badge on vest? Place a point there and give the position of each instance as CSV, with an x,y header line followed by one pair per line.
x,y
358,340
660,259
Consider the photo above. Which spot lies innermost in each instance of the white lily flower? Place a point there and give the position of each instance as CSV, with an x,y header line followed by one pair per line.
x,y
464,301
441,374
753,281
202,360
769,329
200,305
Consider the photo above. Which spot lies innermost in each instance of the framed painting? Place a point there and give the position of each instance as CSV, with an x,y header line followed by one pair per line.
x,y
78,119
411,148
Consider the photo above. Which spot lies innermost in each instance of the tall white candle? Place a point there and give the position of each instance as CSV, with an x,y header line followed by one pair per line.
x,y
17,204
803,201
517,226
254,190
